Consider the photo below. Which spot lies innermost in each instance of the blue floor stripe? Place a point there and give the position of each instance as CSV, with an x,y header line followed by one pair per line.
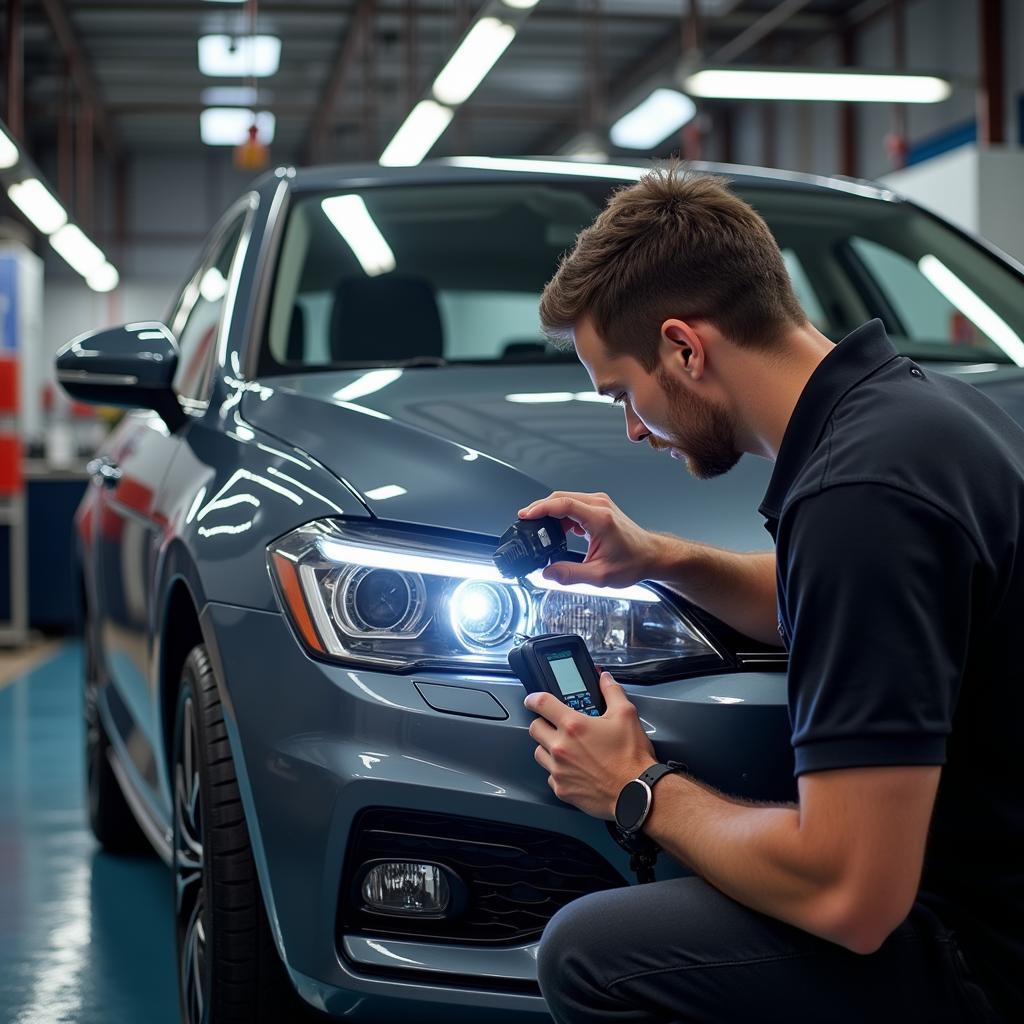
x,y
85,938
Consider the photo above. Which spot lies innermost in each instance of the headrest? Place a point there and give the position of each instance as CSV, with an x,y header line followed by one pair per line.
x,y
295,352
392,317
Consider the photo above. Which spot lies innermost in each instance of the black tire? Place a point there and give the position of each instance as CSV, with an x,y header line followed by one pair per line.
x,y
110,817
228,967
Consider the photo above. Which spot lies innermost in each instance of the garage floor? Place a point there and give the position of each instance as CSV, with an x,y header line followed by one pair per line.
x,y
84,937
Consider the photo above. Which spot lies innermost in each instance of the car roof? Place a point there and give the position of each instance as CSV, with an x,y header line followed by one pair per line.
x,y
481,168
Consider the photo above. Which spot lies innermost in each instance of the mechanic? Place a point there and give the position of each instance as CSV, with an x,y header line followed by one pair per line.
x,y
894,889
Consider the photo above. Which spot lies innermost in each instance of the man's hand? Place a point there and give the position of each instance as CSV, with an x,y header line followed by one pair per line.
x,y
620,552
588,760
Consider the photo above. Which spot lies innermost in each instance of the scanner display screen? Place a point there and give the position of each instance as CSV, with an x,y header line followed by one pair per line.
x,y
567,675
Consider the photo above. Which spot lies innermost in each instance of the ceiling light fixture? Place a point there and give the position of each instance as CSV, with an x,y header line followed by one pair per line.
x,y
478,52
222,56
8,151
229,126
835,86
34,200
662,114
420,130
103,278
354,223
78,252
520,5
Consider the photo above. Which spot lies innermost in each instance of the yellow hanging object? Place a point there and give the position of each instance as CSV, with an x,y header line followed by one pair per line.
x,y
252,155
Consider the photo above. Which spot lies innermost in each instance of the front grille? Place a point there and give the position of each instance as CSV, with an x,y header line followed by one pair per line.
x,y
516,878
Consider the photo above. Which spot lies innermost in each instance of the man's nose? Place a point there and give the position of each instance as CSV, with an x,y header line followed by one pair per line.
x,y
635,429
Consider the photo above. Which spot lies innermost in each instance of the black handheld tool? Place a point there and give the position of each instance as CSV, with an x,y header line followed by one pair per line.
x,y
559,664
529,544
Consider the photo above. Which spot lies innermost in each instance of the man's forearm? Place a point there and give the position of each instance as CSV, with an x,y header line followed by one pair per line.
x,y
737,588
755,854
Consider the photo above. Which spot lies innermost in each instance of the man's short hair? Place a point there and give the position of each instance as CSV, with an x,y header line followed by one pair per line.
x,y
675,245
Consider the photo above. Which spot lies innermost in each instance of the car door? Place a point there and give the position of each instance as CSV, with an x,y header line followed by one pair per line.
x,y
130,473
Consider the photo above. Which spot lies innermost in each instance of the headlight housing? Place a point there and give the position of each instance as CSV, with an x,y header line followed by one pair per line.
x,y
374,595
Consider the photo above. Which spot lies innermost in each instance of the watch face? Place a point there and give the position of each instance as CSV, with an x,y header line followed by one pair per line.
x,y
632,805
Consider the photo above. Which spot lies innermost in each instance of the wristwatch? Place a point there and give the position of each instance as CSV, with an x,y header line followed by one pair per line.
x,y
637,796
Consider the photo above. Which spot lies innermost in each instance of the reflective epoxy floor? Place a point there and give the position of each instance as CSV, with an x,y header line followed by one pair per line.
x,y
84,937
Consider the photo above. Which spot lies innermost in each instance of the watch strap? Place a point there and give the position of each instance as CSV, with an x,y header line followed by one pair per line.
x,y
657,771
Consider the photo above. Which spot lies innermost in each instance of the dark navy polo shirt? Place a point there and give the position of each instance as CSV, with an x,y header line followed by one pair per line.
x,y
897,508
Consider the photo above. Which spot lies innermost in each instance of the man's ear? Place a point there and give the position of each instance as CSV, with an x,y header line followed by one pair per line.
x,y
684,346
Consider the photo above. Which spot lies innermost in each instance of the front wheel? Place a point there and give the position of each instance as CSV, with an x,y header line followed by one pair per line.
x,y
229,971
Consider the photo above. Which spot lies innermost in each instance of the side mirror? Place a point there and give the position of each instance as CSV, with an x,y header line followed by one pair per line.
x,y
131,366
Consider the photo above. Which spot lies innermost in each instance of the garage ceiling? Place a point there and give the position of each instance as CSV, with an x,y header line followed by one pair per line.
x,y
553,82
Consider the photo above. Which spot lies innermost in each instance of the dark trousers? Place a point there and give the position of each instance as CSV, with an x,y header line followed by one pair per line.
x,y
681,951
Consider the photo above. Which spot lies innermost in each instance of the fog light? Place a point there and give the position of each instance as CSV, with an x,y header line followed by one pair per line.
x,y
405,887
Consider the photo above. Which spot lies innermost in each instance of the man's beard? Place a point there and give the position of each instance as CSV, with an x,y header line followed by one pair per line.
x,y
709,443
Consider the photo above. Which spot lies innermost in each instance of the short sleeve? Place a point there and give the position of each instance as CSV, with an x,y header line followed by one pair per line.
x,y
875,587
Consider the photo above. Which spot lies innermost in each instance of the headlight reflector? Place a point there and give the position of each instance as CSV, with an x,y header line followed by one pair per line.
x,y
375,595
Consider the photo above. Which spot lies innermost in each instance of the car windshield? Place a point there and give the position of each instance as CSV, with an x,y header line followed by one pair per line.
x,y
433,274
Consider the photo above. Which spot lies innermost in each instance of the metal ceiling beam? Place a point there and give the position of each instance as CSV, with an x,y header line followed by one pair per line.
x,y
81,72
15,60
512,110
758,30
348,49
991,116
735,20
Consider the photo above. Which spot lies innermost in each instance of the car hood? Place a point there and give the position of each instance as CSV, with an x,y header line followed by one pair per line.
x,y
464,447
460,448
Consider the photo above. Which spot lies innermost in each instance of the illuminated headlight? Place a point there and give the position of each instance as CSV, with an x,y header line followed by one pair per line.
x,y
378,596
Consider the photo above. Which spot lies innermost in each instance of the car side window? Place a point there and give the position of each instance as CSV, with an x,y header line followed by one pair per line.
x,y
199,315
928,318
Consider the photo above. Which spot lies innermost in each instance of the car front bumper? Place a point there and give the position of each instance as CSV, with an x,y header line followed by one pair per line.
x,y
317,744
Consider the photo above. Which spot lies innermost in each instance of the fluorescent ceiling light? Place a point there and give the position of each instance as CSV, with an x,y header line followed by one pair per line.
x,y
353,221
239,56
229,126
103,278
663,112
230,96
34,200
78,251
853,87
367,384
485,42
8,151
520,5
973,306
421,129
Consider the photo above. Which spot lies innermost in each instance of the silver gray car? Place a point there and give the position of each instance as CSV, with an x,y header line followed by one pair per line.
x,y
296,682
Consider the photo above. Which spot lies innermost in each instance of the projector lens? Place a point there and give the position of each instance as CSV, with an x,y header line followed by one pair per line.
x,y
485,614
